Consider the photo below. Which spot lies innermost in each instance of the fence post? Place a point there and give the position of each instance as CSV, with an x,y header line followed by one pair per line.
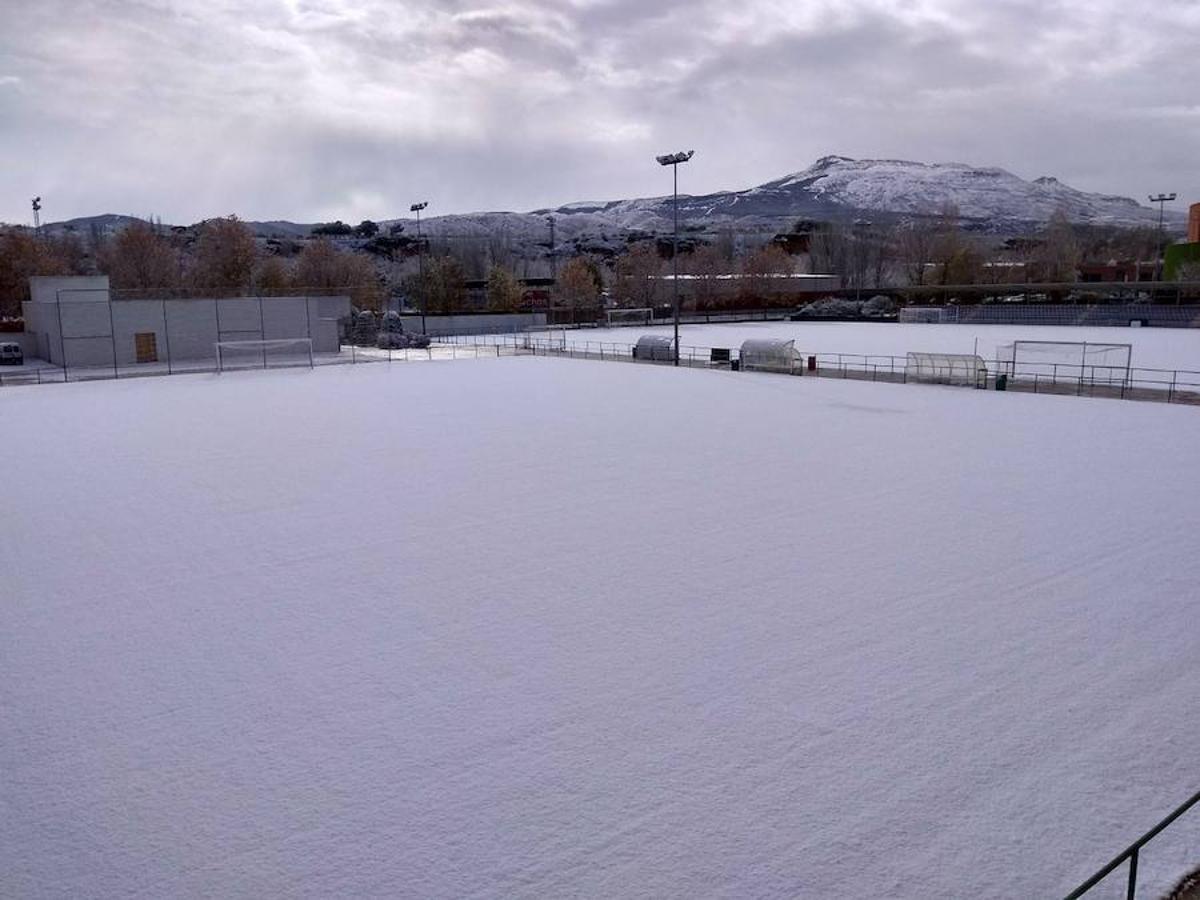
x,y
1132,889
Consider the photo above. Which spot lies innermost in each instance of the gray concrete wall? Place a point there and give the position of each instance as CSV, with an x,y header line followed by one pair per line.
x,y
191,329
75,288
93,329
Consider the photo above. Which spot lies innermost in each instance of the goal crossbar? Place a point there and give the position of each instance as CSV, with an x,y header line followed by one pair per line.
x,y
262,353
639,315
1078,359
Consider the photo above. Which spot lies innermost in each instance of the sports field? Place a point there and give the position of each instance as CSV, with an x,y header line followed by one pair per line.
x,y
532,627
1155,348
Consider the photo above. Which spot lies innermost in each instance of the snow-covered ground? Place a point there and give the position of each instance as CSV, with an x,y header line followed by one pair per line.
x,y
1164,348
532,627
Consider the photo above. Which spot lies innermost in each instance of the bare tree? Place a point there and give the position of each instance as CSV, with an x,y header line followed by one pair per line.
x,y
761,270
225,257
503,290
323,267
272,278
140,258
578,284
637,280
706,264
915,244
442,285
23,255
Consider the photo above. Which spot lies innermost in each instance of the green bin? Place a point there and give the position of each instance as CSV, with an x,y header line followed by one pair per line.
x,y
1002,382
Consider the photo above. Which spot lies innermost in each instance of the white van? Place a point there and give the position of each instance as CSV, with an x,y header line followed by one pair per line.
x,y
10,354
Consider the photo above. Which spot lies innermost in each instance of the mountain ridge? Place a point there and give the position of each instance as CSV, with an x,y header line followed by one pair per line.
x,y
835,188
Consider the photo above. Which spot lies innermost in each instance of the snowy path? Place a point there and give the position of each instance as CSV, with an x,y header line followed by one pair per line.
x,y
532,627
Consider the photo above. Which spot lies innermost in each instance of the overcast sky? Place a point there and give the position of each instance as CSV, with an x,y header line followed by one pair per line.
x,y
321,109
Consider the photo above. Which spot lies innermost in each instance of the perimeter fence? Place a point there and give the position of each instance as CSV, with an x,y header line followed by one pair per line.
x,y
1121,382
1128,383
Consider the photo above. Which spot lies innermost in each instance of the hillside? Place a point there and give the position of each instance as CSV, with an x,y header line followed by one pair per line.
x,y
834,188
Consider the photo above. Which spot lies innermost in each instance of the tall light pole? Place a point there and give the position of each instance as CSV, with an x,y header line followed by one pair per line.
x,y
37,216
673,160
1161,200
553,270
416,208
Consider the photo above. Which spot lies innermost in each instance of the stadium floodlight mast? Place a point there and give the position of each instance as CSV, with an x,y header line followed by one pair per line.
x,y
1161,200
553,272
416,208
674,160
37,215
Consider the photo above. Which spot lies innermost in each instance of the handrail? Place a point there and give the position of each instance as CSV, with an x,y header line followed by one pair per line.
x,y
1131,854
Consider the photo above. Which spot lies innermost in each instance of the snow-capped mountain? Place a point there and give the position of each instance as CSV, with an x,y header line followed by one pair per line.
x,y
839,189
834,188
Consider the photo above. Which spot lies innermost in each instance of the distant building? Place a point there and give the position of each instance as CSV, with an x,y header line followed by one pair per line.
x,y
1194,224
776,286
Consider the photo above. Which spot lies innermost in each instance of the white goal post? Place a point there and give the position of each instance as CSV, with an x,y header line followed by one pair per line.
x,y
1094,363
280,352
634,316
946,368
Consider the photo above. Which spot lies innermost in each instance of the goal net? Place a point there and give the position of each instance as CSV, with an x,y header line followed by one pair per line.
x,y
1066,361
921,314
281,352
639,316
946,368
546,340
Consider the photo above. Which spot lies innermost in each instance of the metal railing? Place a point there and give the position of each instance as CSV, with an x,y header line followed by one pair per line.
x,y
1117,382
348,355
1132,853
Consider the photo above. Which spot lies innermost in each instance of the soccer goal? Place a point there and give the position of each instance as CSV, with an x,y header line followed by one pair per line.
x,y
946,368
638,316
277,353
928,315
1081,361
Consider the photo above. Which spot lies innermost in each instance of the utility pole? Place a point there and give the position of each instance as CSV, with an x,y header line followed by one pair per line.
x,y
37,216
674,160
1161,200
416,208
553,270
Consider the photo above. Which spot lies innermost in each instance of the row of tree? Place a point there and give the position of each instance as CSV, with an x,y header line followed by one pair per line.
x,y
222,257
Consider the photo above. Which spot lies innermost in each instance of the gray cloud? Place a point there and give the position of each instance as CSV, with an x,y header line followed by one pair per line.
x,y
313,109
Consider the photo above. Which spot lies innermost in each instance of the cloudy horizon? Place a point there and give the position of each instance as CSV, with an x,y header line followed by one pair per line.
x,y
314,110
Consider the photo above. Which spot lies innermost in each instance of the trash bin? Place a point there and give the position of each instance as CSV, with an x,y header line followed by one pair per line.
x,y
1002,382
812,364
735,365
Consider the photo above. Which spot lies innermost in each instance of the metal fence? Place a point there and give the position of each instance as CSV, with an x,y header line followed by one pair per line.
x,y
1132,383
349,355
1161,385
1131,854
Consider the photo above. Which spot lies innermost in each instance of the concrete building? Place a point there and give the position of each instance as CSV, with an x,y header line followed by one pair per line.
x,y
75,321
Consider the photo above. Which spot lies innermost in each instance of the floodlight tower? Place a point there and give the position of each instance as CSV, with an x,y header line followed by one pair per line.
x,y
674,160
37,215
1161,200
416,208
553,271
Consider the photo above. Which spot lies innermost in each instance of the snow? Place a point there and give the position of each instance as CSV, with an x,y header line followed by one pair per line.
x,y
1153,348
534,627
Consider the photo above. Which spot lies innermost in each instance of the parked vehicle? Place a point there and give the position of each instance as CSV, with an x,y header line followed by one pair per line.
x,y
11,354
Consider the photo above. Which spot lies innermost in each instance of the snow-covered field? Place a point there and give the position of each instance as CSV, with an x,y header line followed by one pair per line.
x,y
1162,348
532,627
